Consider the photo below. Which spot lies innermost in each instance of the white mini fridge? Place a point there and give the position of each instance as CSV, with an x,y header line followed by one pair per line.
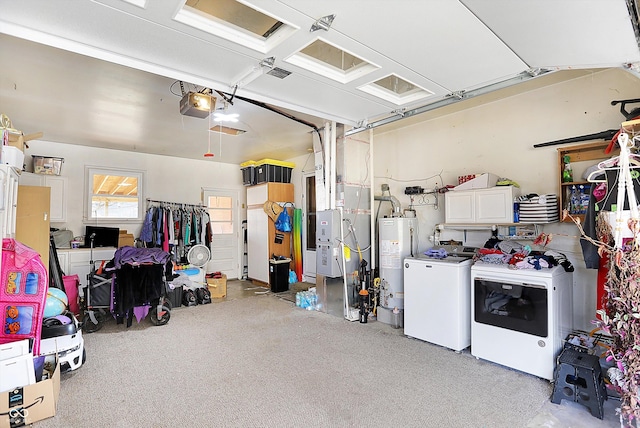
x,y
437,300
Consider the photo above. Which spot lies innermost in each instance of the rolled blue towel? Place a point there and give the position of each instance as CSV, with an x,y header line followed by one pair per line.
x,y
440,253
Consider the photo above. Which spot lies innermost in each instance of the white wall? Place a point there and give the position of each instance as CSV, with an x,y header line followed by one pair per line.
x,y
303,164
499,138
166,178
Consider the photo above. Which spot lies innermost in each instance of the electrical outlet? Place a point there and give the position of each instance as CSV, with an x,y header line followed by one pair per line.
x,y
384,187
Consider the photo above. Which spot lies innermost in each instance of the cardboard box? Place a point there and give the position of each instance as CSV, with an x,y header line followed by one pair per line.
x,y
16,141
125,239
26,405
217,287
482,181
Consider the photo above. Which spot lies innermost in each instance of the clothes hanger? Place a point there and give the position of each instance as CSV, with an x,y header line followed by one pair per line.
x,y
633,160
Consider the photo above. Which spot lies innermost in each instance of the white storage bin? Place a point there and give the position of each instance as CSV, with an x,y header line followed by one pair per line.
x,y
480,182
12,156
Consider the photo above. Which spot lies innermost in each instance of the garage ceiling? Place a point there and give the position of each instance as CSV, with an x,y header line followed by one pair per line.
x,y
105,72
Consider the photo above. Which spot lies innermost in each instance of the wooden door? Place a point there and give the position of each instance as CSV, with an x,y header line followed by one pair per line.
x,y
32,219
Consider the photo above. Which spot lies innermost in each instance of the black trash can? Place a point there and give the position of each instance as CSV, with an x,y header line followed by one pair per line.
x,y
279,275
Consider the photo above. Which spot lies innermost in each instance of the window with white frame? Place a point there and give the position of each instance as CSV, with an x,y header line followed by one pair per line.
x,y
220,214
113,194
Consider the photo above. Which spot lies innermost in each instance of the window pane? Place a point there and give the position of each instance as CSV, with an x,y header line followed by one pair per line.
x,y
396,84
102,207
221,228
115,185
311,212
220,215
238,14
311,231
114,194
219,202
332,55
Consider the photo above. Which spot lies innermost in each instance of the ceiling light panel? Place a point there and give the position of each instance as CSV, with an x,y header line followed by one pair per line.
x,y
227,130
396,90
331,61
139,3
236,22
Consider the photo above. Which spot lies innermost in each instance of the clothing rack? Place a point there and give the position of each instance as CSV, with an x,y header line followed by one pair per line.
x,y
180,204
175,227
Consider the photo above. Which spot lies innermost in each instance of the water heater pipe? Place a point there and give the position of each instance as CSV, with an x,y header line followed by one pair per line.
x,y
327,166
332,169
395,203
372,222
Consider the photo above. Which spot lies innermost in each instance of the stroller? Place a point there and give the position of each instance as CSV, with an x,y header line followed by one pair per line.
x,y
132,284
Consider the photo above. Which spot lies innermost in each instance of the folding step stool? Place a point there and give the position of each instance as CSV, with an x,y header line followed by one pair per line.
x,y
578,377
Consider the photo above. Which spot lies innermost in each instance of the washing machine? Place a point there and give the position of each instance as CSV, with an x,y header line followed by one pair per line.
x,y
437,300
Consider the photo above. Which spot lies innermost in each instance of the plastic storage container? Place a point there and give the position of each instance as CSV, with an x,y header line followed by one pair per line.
x,y
273,171
279,275
248,173
47,165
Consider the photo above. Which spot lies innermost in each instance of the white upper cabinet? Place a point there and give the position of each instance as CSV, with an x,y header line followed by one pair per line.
x,y
58,185
492,205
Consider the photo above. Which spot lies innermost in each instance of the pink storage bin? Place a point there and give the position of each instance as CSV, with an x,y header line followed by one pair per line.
x,y
23,291
71,283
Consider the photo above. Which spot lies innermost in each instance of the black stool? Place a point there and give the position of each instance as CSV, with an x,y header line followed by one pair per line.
x,y
578,377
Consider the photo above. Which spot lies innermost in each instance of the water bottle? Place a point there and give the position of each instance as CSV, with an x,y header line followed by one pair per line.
x,y
584,198
567,172
298,299
574,201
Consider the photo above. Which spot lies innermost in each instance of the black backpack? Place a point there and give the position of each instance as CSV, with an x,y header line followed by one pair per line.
x,y
203,295
189,297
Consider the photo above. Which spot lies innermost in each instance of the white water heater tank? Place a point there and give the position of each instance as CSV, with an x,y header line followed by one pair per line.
x,y
397,238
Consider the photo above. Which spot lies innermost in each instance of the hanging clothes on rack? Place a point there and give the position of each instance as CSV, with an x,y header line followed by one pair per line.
x,y
171,226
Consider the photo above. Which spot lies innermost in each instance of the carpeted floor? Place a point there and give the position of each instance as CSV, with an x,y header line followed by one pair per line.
x,y
262,362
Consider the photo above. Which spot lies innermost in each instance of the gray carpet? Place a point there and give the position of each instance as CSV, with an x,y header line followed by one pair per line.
x,y
262,362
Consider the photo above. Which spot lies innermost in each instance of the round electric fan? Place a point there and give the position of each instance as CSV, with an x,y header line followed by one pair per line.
x,y
199,255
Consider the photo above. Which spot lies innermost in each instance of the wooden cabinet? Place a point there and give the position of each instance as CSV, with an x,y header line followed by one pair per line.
x,y
493,205
580,157
58,185
261,232
32,220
